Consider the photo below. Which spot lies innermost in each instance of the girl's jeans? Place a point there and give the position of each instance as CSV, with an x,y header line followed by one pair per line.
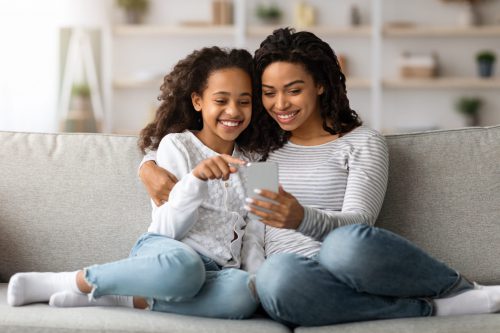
x,y
361,273
176,279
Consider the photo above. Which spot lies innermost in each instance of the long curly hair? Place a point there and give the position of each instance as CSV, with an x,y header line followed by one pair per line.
x,y
190,75
321,63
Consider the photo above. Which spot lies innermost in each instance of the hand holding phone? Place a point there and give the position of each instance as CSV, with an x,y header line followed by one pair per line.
x,y
258,176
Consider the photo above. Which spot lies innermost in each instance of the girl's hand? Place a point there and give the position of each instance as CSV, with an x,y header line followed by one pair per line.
x,y
286,211
217,167
158,182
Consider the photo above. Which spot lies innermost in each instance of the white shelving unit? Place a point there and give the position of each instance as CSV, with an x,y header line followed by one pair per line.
x,y
375,36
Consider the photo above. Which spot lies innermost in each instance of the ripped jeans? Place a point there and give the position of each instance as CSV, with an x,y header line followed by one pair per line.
x,y
173,278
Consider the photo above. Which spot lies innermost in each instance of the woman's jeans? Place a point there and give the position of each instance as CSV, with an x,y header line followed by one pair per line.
x,y
361,273
176,279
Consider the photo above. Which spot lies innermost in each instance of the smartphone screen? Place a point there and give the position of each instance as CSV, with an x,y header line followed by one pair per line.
x,y
260,175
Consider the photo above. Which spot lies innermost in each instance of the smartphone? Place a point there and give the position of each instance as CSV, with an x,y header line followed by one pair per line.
x,y
260,175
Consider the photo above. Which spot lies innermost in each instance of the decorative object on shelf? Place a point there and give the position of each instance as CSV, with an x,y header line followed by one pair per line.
x,y
269,13
418,65
80,101
469,107
80,117
486,63
305,15
134,10
469,15
355,16
222,12
343,63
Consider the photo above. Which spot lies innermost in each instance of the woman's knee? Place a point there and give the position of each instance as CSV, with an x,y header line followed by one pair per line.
x,y
346,247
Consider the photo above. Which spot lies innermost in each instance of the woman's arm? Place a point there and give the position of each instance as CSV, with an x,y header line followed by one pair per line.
x,y
365,190
157,181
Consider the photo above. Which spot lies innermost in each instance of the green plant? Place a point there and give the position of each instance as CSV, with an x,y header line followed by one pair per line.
x,y
137,5
486,56
469,106
80,89
268,12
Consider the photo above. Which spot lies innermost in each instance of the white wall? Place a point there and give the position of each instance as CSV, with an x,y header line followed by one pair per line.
x,y
29,58
29,39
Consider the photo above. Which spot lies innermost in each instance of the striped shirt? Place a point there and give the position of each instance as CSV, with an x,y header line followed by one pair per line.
x,y
340,182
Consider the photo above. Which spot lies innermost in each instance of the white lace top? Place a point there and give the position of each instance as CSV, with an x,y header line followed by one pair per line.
x,y
206,215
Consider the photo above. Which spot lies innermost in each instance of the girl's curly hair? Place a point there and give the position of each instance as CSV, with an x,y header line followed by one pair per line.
x,y
176,112
320,61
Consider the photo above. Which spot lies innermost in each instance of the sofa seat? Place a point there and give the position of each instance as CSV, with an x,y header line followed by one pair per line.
x,y
40,318
488,323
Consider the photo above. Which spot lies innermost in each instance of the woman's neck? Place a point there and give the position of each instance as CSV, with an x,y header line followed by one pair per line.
x,y
312,135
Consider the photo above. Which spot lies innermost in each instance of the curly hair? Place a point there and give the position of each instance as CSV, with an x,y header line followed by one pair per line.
x,y
190,75
320,61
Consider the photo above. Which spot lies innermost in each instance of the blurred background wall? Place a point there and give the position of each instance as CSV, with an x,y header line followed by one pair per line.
x,y
411,65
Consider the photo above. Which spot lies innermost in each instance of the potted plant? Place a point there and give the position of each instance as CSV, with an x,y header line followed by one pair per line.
x,y
486,61
269,14
134,9
469,108
80,117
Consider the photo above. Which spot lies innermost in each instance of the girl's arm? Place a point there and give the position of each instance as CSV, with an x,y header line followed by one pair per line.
x,y
176,217
364,195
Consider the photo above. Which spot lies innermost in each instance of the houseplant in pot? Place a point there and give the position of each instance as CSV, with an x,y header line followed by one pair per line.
x,y
134,10
80,116
469,107
486,62
269,13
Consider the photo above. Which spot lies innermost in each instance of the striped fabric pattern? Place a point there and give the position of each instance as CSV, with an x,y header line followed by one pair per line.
x,y
339,183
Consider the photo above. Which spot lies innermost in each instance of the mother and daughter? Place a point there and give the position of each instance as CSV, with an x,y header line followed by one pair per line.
x,y
316,258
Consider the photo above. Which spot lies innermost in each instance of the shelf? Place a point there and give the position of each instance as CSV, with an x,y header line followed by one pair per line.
x,y
444,83
180,30
426,31
358,83
136,84
323,31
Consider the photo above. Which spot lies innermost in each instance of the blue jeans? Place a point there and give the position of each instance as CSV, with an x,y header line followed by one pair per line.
x,y
176,279
361,273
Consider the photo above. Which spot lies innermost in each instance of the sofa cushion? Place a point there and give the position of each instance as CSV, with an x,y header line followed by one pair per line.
x,y
68,200
444,195
40,318
489,323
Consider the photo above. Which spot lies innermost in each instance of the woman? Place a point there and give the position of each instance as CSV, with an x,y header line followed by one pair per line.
x,y
327,263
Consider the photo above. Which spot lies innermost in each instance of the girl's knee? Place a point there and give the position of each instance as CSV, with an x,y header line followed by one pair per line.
x,y
183,269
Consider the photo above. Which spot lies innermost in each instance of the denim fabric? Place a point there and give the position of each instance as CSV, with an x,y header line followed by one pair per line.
x,y
361,273
174,278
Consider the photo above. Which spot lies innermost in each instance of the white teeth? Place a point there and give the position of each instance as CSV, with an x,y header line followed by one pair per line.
x,y
230,123
287,115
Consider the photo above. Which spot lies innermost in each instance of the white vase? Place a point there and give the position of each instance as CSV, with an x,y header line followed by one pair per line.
x,y
469,15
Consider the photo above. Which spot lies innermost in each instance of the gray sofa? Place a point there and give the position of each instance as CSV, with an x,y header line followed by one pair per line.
x,y
70,200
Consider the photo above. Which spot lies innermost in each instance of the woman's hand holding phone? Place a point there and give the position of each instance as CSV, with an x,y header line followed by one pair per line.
x,y
284,212
217,167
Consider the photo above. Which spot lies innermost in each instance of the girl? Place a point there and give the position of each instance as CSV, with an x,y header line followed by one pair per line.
x,y
187,262
327,263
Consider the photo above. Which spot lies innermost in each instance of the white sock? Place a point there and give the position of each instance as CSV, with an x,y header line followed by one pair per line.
x,y
25,288
481,299
65,299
